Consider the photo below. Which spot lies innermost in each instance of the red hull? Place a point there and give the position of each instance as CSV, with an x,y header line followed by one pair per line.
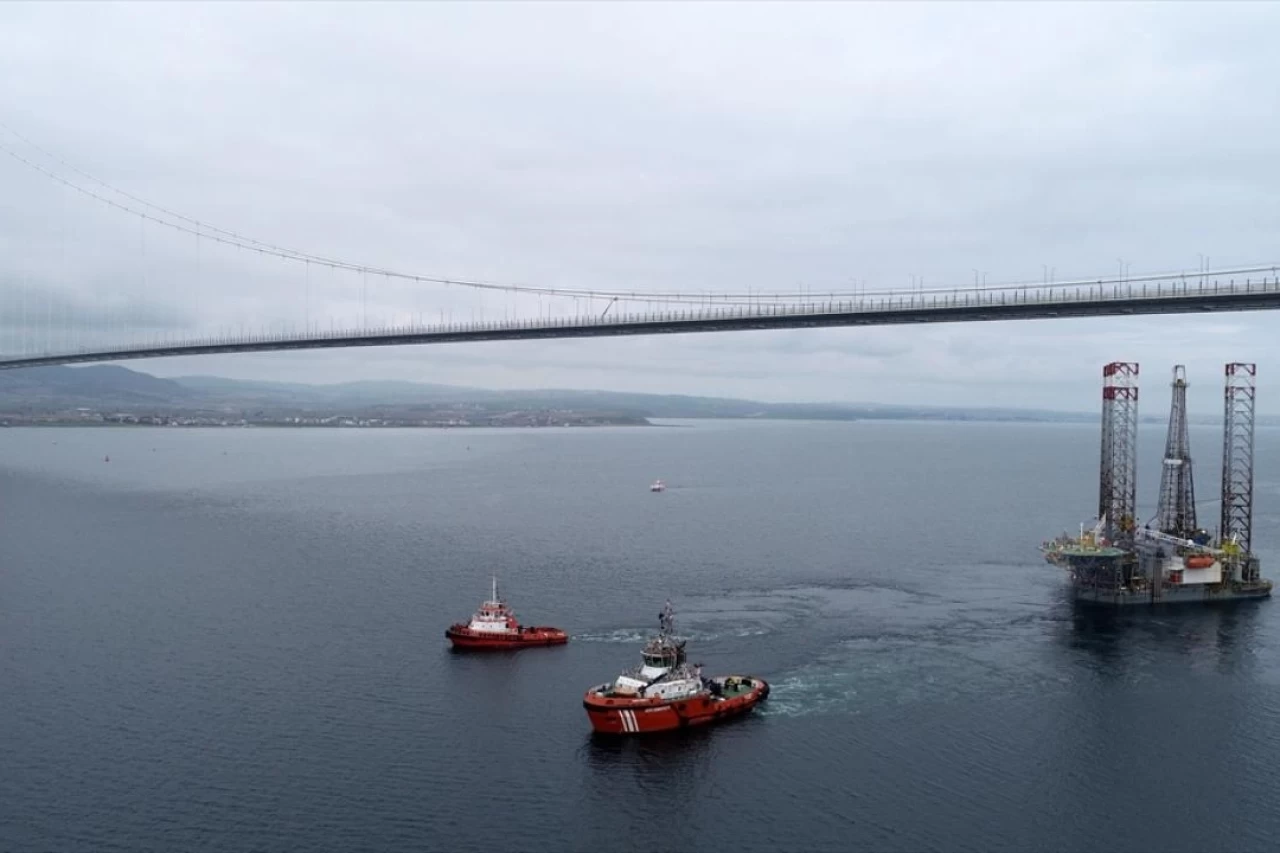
x,y
463,637
641,716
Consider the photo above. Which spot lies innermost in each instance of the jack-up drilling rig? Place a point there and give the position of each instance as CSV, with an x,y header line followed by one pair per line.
x,y
1120,563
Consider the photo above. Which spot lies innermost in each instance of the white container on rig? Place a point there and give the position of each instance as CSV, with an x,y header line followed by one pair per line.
x,y
1196,569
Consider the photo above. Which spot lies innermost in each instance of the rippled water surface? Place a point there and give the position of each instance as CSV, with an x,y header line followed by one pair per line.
x,y
233,640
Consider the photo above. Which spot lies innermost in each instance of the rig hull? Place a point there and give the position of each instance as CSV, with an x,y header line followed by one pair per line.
x,y
1199,594
1144,576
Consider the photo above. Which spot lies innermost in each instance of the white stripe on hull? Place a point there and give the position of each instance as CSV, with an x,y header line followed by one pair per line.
x,y
629,720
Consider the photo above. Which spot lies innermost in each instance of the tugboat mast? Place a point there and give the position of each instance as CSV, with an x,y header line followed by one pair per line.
x,y
667,619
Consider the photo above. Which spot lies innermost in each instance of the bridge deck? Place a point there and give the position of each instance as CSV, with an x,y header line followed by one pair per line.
x,y
1166,297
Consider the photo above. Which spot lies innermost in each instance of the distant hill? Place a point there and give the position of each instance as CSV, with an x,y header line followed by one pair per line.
x,y
116,388
379,392
119,388
647,405
94,385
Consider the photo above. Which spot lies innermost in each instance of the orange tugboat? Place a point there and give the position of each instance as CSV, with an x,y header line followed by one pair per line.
x,y
666,693
494,626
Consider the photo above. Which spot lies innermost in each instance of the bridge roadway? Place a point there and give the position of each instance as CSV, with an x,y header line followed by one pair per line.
x,y
1171,296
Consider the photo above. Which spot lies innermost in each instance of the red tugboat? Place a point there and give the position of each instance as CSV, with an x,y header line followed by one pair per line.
x,y
667,693
494,626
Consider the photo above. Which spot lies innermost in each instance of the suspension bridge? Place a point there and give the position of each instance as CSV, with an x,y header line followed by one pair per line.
x,y
163,305
1167,297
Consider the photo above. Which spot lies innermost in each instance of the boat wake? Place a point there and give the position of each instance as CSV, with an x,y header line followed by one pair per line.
x,y
894,670
832,691
636,635
622,635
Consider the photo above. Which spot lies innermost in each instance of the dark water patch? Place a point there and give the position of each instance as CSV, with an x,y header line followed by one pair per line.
x,y
237,643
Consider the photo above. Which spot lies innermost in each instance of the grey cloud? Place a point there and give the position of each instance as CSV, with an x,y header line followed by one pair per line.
x,y
698,147
37,317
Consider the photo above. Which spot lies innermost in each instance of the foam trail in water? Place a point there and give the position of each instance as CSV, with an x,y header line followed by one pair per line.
x,y
634,635
621,635
811,692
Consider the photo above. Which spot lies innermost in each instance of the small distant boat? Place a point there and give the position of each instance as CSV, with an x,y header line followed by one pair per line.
x,y
658,486
666,693
494,626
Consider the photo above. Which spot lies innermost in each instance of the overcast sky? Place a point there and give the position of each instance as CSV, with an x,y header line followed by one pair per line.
x,y
654,146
